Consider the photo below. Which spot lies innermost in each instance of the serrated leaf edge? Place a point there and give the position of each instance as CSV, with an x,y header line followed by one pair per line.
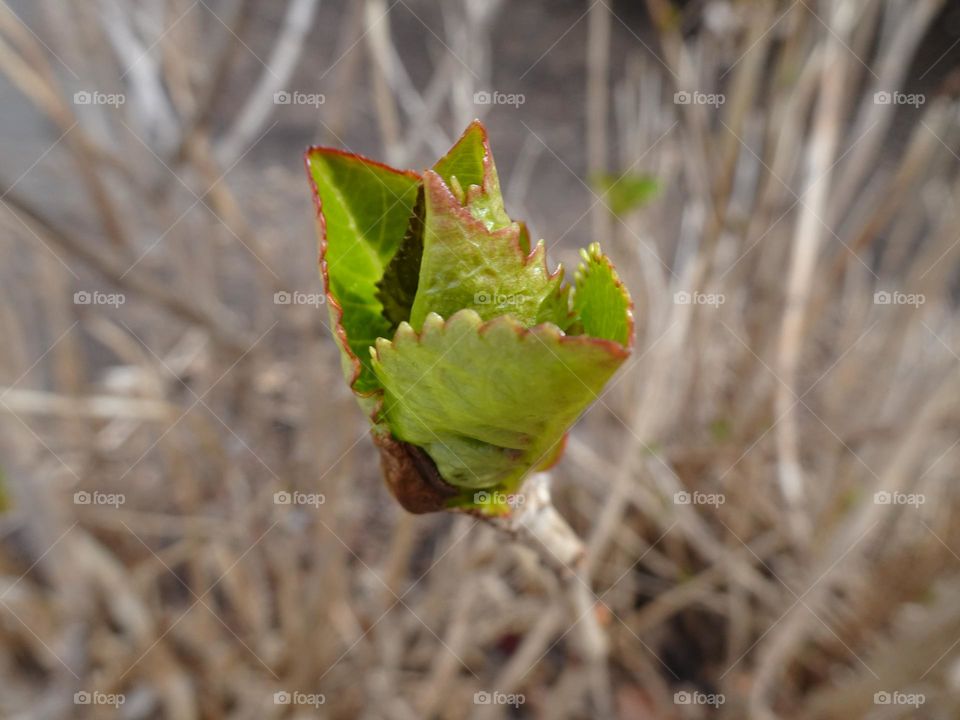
x,y
434,324
336,308
592,253
516,231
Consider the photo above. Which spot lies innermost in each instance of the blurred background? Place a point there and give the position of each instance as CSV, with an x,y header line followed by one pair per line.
x,y
192,519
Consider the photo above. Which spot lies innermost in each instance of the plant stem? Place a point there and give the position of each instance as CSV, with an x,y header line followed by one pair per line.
x,y
537,524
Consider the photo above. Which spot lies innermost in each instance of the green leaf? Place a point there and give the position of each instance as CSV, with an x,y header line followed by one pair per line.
x,y
626,193
470,356
468,170
363,210
556,308
600,300
474,256
467,265
488,400
465,160
721,430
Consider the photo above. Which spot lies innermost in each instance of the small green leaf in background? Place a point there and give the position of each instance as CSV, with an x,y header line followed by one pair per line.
x,y
625,193
721,430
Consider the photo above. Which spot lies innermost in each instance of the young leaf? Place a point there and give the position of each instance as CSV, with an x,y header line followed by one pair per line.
x,y
488,401
600,300
466,265
556,308
469,167
470,356
465,160
363,210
